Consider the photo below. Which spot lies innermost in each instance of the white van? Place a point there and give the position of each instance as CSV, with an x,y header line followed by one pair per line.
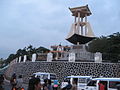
x,y
81,81
107,84
43,76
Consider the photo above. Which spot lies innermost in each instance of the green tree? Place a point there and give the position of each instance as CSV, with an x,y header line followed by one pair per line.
x,y
109,46
10,58
26,51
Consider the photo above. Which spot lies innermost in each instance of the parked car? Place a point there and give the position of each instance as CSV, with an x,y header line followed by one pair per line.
x,y
44,75
104,84
81,81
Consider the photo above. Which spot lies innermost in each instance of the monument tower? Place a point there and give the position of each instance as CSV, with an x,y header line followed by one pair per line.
x,y
81,32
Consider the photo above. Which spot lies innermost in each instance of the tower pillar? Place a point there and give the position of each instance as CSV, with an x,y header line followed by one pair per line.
x,y
86,24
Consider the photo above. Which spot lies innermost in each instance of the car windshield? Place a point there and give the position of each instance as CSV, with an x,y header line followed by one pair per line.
x,y
82,80
66,79
92,83
52,76
114,84
44,76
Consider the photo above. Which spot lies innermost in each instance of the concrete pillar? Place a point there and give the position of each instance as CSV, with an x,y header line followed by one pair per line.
x,y
34,57
49,57
25,58
16,60
86,24
81,27
78,24
19,59
71,57
98,57
57,55
78,43
75,24
75,20
78,16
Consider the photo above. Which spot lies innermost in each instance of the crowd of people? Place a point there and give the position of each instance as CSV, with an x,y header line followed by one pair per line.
x,y
70,86
34,84
16,83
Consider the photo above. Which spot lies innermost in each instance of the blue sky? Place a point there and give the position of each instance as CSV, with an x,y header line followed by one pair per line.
x,y
47,22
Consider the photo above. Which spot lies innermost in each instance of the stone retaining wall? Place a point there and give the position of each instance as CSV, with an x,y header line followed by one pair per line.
x,y
63,69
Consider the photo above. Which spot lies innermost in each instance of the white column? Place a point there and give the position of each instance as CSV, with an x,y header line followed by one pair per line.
x,y
86,24
98,57
78,24
75,24
78,43
81,26
16,60
71,57
19,59
75,20
34,57
49,57
25,58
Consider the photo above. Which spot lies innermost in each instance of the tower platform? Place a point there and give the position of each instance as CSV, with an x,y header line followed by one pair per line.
x,y
76,38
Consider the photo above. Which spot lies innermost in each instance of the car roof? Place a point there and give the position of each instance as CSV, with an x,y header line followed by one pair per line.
x,y
38,73
107,79
78,77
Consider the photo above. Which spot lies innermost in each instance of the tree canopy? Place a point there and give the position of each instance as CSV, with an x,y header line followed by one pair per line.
x,y
109,46
26,51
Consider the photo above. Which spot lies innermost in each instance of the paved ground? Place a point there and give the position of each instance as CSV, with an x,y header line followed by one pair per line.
x,y
7,85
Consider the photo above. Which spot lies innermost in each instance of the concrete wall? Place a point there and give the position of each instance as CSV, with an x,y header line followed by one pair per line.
x,y
63,69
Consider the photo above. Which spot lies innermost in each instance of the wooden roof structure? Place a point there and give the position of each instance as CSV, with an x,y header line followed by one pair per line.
x,y
83,9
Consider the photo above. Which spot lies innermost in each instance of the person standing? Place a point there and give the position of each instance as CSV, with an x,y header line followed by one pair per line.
x,y
49,85
74,86
14,75
55,86
101,86
69,86
2,78
19,82
34,84
1,82
45,85
13,81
